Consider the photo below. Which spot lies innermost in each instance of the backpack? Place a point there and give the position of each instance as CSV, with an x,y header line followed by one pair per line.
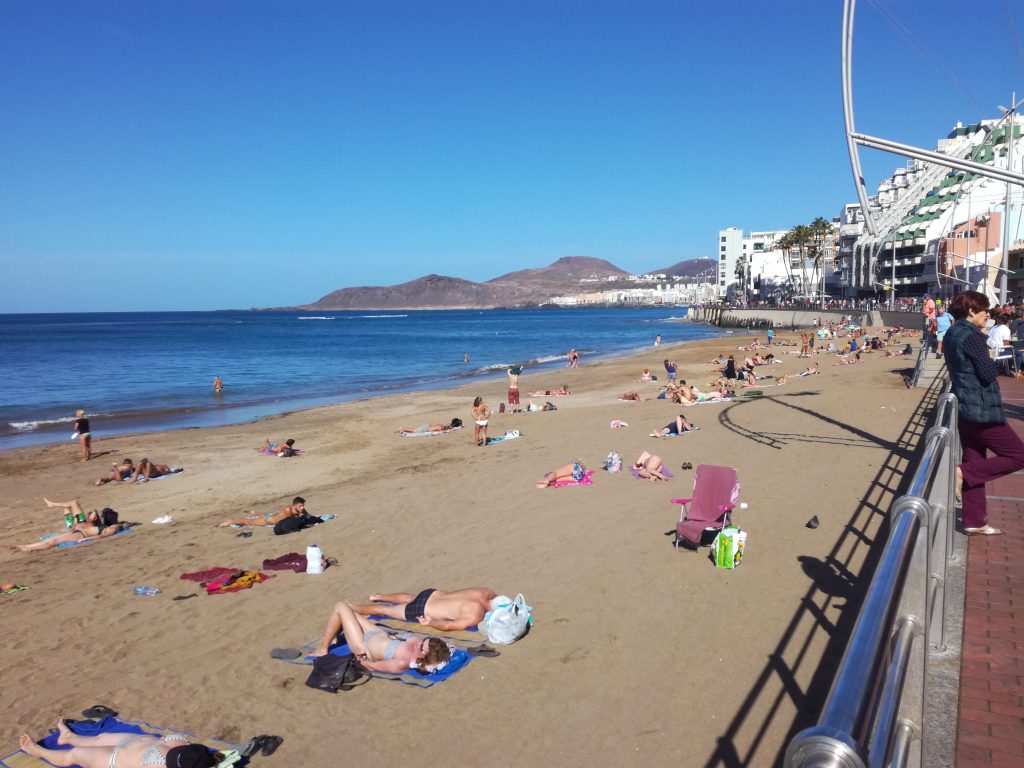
x,y
336,673
108,516
295,523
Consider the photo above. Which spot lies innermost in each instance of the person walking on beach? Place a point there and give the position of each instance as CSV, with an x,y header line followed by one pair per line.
x,y
574,359
973,376
481,413
83,434
513,388
657,340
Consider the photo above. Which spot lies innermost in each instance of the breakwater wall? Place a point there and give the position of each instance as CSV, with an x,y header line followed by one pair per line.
x,y
726,317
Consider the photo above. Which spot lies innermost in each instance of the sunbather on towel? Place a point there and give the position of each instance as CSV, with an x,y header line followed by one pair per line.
x,y
381,649
296,509
287,448
121,750
446,611
533,407
122,471
677,427
148,469
92,528
570,473
563,390
649,466
423,428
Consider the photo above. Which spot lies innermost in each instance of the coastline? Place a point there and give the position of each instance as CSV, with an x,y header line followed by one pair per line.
x,y
277,365
598,679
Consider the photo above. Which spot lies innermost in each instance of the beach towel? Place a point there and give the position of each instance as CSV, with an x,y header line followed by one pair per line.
x,y
588,479
173,471
220,581
664,470
709,402
269,452
80,542
323,519
428,434
21,759
510,435
460,649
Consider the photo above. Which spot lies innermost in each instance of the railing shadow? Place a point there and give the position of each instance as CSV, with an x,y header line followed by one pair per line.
x,y
833,586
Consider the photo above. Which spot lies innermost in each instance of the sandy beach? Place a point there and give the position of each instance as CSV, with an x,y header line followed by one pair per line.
x,y
639,654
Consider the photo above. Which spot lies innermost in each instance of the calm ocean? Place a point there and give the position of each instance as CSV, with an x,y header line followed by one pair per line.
x,y
154,370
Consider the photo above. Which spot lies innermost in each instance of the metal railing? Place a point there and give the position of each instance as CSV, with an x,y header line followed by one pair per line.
x,y
874,714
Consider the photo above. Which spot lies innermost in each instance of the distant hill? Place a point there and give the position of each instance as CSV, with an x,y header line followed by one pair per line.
x,y
516,289
688,268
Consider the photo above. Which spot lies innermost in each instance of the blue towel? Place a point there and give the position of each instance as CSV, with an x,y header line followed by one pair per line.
x,y
106,725
459,659
66,544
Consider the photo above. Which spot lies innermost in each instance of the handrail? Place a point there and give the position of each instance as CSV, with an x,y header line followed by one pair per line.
x,y
869,719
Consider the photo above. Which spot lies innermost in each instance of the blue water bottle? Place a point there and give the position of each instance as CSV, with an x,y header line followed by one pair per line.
x,y
146,590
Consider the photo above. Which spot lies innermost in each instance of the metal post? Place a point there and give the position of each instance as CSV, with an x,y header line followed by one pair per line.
x,y
892,290
1006,208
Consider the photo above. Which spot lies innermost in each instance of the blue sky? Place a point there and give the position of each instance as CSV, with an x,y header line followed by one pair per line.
x,y
215,154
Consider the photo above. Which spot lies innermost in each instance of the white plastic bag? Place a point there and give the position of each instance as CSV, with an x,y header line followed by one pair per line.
x,y
507,620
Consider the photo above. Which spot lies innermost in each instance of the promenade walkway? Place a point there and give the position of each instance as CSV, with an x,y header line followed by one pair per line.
x,y
990,730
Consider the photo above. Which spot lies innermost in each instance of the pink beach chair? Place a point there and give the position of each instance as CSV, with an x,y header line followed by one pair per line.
x,y
715,493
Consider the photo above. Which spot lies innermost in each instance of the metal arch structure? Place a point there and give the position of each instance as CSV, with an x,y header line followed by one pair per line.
x,y
855,140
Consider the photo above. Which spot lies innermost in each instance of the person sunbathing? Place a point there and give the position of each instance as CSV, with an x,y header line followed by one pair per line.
x,y
149,470
635,396
844,360
296,509
677,427
570,473
427,428
445,611
533,407
563,390
287,448
122,471
381,649
650,467
92,528
121,750
809,371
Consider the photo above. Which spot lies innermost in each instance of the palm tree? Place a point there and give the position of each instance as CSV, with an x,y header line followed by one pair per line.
x,y
785,244
820,230
801,234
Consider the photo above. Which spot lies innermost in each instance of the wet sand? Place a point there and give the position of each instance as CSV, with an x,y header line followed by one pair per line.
x,y
640,654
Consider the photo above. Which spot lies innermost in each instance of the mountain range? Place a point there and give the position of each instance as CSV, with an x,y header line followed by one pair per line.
x,y
527,287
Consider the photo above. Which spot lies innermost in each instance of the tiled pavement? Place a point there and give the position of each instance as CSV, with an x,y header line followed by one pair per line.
x,y
990,730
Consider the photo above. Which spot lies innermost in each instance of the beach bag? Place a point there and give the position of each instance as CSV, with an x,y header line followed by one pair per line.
x,y
508,619
727,548
336,673
613,463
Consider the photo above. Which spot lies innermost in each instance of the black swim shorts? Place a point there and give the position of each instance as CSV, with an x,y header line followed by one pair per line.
x,y
418,606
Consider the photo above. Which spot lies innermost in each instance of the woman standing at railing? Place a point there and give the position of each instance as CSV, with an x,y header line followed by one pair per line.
x,y
982,422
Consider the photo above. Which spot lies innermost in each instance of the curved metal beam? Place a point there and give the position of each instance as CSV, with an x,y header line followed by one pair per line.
x,y
849,7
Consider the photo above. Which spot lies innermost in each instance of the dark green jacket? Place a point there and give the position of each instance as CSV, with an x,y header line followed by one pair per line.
x,y
973,374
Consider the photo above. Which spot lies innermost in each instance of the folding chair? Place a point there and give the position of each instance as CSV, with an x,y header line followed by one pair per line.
x,y
1008,358
715,493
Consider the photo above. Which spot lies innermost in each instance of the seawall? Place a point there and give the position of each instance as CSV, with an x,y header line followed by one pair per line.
x,y
726,317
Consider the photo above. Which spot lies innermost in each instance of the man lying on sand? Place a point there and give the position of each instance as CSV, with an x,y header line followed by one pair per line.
x,y
296,509
563,390
148,469
446,611
122,471
426,428
287,448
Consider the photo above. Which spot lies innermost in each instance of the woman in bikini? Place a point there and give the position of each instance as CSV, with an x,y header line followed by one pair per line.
x,y
570,473
296,509
381,649
147,470
481,413
92,528
121,750
122,471
650,467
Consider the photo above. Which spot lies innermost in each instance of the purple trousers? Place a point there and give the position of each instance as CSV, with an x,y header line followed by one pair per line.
x,y
976,440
